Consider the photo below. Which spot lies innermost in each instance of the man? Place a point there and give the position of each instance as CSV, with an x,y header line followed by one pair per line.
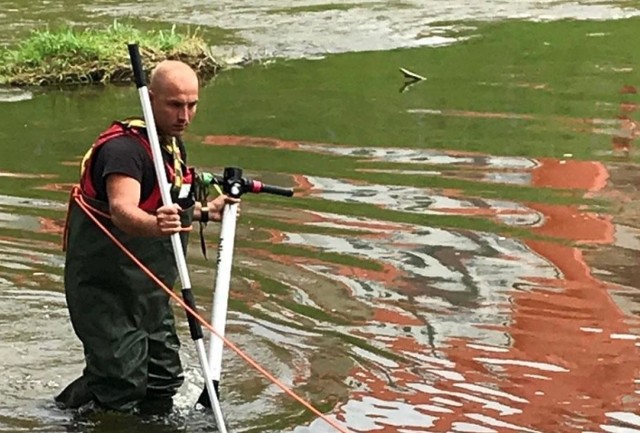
x,y
122,317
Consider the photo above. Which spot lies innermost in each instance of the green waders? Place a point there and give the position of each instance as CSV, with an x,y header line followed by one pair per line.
x,y
122,317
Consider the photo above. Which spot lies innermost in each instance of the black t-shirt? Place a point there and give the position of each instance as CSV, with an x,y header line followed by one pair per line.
x,y
125,155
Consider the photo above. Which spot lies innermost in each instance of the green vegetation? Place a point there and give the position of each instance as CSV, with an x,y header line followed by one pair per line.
x,y
73,56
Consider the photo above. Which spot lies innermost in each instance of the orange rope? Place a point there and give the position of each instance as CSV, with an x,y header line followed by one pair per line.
x,y
206,324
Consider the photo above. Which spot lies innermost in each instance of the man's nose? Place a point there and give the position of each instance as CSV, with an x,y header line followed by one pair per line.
x,y
183,113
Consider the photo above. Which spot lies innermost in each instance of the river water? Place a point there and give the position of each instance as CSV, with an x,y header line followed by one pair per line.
x,y
310,27
460,254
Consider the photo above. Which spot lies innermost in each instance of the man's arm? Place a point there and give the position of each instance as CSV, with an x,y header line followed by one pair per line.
x,y
124,196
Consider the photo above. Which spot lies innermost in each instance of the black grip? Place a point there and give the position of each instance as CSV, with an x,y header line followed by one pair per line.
x,y
277,190
136,64
194,326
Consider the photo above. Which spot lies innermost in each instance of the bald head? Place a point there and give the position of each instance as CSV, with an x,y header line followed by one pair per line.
x,y
170,72
173,90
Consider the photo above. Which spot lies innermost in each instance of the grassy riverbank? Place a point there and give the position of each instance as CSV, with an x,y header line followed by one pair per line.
x,y
75,56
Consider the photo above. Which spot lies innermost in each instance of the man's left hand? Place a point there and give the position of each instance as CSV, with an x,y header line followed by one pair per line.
x,y
216,206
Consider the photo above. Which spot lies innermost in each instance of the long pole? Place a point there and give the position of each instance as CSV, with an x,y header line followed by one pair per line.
x,y
221,291
176,243
233,185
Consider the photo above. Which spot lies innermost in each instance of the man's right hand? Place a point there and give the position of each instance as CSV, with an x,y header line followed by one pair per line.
x,y
168,219
124,195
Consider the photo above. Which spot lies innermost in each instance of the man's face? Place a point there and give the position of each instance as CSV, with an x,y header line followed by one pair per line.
x,y
174,105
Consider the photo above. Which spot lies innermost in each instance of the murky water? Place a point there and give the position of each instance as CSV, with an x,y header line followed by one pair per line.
x,y
310,27
460,255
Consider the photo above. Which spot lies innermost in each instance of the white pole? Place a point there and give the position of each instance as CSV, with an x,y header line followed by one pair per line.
x,y
222,284
176,242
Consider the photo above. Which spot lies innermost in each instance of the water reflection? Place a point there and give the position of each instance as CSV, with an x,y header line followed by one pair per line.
x,y
14,95
628,130
420,201
539,340
522,339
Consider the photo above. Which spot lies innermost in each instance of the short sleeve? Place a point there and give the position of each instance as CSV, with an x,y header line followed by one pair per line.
x,y
121,155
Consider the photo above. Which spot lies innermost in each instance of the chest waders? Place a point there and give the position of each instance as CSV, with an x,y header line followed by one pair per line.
x,y
123,319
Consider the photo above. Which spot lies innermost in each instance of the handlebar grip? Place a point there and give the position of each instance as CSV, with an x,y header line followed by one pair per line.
x,y
136,64
260,187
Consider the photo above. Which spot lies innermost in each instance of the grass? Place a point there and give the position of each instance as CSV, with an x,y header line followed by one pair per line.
x,y
75,56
